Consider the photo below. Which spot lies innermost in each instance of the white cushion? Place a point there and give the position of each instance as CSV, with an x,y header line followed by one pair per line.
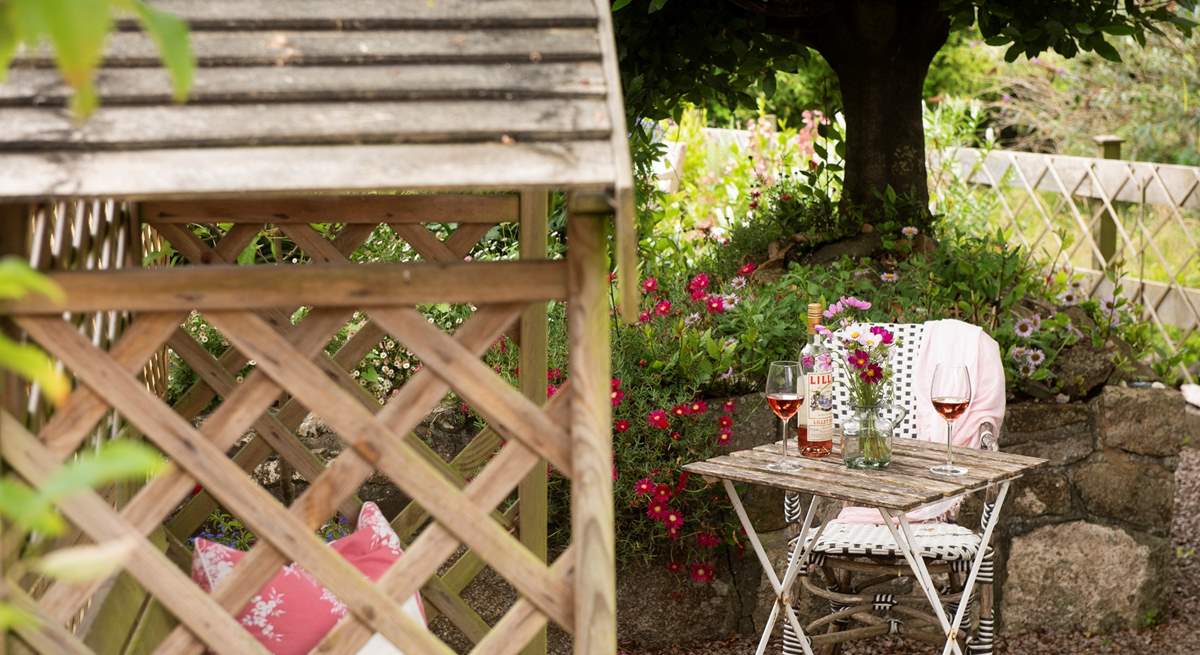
x,y
934,540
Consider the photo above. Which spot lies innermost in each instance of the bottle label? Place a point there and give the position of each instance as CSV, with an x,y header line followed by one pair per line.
x,y
820,407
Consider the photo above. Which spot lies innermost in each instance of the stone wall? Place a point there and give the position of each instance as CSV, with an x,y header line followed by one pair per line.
x,y
1084,543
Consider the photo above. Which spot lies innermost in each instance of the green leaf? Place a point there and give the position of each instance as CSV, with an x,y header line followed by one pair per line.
x,y
9,40
1105,49
77,30
13,617
768,84
18,279
370,374
170,34
248,254
116,460
84,563
27,509
32,364
618,5
1119,29
1012,53
655,5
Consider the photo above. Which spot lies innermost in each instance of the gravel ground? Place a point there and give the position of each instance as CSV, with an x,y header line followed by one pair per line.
x,y
1177,634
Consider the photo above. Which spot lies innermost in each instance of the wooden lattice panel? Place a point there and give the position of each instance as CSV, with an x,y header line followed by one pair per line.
x,y
293,372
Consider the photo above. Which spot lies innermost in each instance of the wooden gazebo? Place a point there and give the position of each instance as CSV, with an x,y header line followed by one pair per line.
x,y
351,113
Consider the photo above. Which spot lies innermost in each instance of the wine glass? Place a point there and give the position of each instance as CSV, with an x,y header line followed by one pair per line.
x,y
950,393
785,395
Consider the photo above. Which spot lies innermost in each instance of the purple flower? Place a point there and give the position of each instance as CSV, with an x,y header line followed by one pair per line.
x,y
909,231
1035,357
1024,328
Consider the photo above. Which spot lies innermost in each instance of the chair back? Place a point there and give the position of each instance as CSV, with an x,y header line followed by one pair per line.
x,y
904,364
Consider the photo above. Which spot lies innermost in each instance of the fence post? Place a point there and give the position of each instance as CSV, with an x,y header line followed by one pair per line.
x,y
1110,148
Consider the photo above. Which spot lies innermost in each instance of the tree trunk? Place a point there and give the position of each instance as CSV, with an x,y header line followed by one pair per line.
x,y
881,52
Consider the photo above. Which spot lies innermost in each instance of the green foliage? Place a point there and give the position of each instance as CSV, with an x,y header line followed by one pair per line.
x,y
77,31
17,280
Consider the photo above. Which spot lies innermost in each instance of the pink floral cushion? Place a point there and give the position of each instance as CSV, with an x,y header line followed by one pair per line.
x,y
293,612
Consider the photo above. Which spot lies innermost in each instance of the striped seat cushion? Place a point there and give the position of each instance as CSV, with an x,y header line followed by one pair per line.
x,y
936,541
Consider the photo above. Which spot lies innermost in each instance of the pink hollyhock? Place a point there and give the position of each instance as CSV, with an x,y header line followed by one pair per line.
x,y
658,419
617,396
707,540
873,374
702,572
644,487
680,410
673,519
728,406
663,493
858,359
698,407
715,305
621,425
657,510
725,421
649,285
674,567
698,282
662,307
748,268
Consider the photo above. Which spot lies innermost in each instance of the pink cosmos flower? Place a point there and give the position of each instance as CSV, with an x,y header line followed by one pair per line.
x,y
621,425
855,303
885,336
702,572
650,285
715,305
748,268
658,419
644,487
663,307
872,374
858,358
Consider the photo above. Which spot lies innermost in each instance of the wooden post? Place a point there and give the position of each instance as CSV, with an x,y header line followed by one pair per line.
x,y
532,491
14,233
591,436
1110,148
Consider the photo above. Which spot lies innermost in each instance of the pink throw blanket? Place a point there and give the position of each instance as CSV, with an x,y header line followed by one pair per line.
x,y
953,342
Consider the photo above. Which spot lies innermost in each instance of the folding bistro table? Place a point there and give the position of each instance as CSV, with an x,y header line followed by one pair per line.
x,y
904,486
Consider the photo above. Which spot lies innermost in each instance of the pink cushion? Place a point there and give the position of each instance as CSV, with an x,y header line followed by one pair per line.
x,y
293,612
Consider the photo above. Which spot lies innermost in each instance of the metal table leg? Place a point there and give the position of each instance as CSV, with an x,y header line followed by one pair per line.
x,y
783,595
906,542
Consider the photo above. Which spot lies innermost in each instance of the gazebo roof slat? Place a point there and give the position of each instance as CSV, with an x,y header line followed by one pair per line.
x,y
291,170
333,48
434,121
124,86
379,14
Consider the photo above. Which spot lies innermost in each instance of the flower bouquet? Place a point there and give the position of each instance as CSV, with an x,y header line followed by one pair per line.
x,y
866,373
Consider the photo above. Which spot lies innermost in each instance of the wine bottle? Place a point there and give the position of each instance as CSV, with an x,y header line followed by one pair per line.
x,y
815,431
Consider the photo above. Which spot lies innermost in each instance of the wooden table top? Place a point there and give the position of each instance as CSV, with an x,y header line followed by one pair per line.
x,y
905,485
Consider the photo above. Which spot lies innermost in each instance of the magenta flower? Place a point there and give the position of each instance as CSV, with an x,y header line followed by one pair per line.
x,y
656,510
854,303
680,410
748,268
673,519
858,359
702,572
698,283
728,406
885,336
649,285
644,487
715,305
724,437
617,396
725,421
663,493
872,374
698,407
621,425
658,419
698,294
645,316
663,307
613,384
707,540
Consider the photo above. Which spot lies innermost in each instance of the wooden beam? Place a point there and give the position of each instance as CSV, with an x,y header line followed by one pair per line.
x,y
207,288
274,170
28,87
533,499
398,208
207,126
591,438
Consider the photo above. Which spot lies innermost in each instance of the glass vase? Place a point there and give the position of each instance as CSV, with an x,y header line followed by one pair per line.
x,y
867,435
